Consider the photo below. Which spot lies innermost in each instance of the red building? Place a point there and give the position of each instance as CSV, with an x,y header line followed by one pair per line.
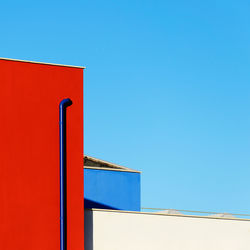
x,y
30,155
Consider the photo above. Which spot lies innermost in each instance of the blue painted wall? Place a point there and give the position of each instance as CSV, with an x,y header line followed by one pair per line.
x,y
112,189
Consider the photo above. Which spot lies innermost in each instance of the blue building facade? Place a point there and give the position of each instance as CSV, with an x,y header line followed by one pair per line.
x,y
110,186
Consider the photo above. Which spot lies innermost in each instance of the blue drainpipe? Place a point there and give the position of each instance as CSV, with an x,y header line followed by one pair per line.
x,y
63,170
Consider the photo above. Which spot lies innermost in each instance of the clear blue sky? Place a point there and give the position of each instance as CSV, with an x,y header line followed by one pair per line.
x,y
167,88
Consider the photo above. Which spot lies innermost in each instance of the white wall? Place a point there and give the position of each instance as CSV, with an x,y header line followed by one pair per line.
x,y
113,230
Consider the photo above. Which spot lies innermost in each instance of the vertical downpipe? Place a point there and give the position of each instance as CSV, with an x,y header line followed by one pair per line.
x,y
63,172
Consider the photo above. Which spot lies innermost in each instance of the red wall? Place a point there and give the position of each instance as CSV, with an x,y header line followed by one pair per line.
x,y
30,94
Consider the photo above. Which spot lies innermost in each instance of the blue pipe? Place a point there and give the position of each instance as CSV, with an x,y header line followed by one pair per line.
x,y
63,172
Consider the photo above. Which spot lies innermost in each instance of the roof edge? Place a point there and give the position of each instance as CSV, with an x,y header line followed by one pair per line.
x,y
110,166
113,169
170,215
52,64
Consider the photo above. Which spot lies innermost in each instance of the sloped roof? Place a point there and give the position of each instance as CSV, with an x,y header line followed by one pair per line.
x,y
94,163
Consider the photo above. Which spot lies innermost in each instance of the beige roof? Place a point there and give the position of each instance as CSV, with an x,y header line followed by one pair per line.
x,y
94,163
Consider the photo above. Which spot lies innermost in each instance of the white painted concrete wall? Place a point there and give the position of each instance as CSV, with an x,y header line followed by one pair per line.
x,y
111,230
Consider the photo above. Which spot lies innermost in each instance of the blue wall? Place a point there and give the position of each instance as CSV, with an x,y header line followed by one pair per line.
x,y
112,189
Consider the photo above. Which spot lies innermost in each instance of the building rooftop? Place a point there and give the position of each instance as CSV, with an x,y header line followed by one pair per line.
x,y
94,163
53,64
